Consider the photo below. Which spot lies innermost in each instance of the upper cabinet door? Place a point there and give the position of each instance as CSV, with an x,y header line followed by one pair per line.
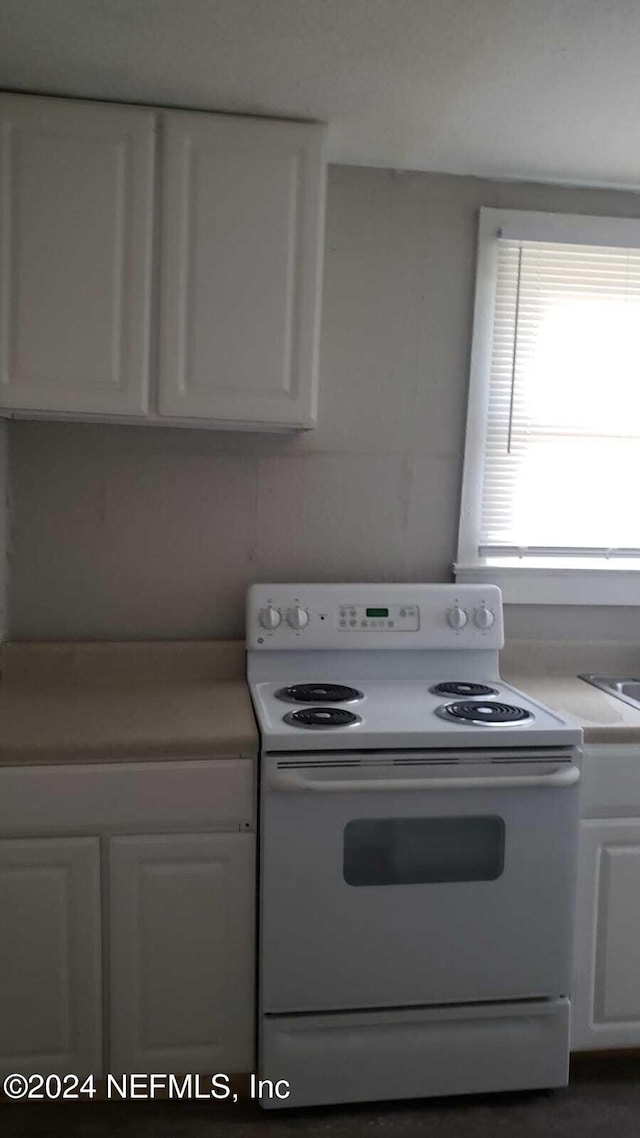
x,y
76,213
243,211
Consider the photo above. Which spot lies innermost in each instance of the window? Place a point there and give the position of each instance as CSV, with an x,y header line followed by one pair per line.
x,y
552,459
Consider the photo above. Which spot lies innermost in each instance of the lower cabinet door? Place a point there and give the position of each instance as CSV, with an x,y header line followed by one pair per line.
x,y
606,1003
50,959
182,953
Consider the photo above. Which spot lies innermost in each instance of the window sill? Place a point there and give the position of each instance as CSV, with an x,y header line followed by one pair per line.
x,y
565,584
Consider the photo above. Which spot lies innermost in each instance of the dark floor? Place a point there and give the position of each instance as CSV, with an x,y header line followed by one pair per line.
x,y
602,1101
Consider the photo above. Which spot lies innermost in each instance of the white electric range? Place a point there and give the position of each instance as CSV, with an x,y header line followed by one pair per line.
x,y
418,835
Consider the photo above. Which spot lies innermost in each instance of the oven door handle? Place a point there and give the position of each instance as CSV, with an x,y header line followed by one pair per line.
x,y
288,781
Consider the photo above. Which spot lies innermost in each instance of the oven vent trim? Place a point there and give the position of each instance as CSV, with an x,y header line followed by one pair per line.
x,y
345,759
458,764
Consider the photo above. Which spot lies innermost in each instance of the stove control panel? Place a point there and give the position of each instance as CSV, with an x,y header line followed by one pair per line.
x,y
374,616
381,618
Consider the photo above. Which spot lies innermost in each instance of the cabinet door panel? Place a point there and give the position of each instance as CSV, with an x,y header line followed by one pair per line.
x,y
606,1011
242,219
77,197
182,970
50,960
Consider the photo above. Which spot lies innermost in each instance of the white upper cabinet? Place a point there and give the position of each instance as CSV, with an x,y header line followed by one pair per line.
x,y
235,253
242,224
76,226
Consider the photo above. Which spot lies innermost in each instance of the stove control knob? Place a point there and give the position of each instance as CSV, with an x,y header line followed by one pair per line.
x,y
483,618
269,618
456,618
297,618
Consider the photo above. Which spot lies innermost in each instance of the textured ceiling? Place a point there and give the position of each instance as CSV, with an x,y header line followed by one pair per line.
x,y
546,89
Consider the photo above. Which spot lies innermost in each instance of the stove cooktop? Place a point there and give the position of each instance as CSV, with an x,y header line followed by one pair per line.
x,y
387,714
387,667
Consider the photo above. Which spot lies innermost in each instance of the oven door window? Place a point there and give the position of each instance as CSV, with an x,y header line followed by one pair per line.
x,y
423,851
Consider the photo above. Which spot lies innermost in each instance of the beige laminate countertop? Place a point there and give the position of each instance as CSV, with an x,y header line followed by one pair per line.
x,y
603,718
200,718
89,703
119,702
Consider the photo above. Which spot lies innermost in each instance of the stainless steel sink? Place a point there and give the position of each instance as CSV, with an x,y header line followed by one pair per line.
x,y
626,688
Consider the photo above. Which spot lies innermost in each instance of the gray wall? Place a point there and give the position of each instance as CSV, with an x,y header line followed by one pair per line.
x,y
126,532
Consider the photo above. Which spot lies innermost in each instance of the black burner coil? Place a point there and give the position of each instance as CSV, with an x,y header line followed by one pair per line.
x,y
462,687
319,693
476,711
321,717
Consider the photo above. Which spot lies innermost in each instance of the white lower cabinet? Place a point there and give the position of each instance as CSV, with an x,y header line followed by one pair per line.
x,y
130,948
50,956
606,998
606,1007
181,960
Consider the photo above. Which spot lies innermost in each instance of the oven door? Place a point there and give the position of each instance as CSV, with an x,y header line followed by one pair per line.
x,y
387,882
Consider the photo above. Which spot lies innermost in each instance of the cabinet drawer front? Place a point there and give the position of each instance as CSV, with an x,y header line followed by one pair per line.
x,y
610,781
404,1053
119,796
75,232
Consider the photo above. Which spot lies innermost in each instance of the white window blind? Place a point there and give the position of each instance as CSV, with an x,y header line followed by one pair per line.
x,y
562,458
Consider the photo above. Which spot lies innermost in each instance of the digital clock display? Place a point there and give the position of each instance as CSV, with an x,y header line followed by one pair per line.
x,y
377,612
